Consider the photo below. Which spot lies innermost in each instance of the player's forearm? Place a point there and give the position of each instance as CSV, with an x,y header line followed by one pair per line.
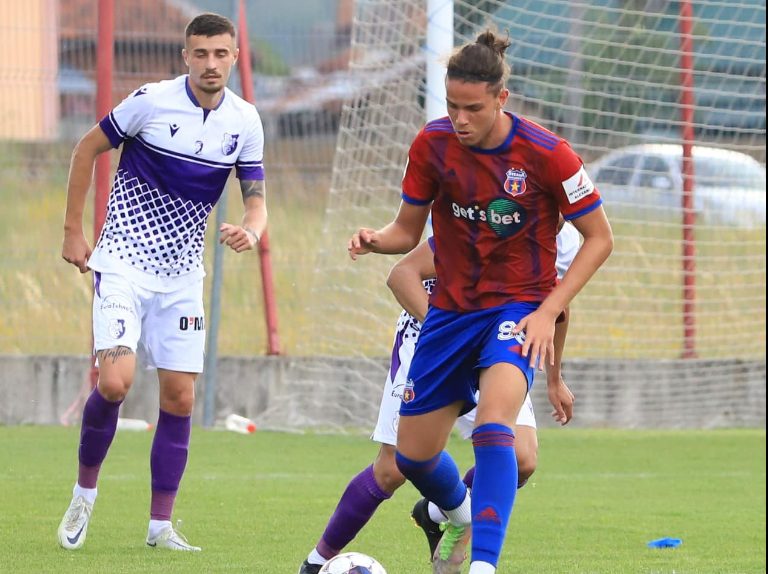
x,y
396,238
406,286
554,372
254,200
80,178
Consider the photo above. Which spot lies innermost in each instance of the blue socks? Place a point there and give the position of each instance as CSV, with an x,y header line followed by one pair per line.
x,y
492,493
437,479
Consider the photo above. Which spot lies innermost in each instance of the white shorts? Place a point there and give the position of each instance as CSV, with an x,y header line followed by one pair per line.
x,y
389,410
168,327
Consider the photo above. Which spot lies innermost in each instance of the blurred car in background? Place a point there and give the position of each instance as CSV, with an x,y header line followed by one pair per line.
x,y
646,181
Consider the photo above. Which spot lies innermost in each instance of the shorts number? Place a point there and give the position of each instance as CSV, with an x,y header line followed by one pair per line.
x,y
505,330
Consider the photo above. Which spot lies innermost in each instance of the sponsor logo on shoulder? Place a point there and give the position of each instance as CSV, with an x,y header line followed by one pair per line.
x,y
579,186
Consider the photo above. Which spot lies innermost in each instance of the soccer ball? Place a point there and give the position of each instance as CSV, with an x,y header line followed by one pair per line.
x,y
352,563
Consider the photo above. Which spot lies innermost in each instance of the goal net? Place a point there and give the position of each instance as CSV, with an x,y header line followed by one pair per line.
x,y
606,75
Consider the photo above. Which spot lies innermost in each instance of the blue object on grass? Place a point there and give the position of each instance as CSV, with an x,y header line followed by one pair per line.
x,y
665,543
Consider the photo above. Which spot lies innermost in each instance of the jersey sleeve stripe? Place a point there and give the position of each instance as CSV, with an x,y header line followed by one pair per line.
x,y
531,130
535,140
414,201
440,129
110,129
250,173
584,211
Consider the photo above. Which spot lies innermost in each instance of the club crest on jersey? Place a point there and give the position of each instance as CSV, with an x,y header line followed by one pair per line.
x,y
229,143
515,184
117,328
408,392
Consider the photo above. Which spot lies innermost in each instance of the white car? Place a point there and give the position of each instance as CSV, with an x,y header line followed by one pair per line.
x,y
646,181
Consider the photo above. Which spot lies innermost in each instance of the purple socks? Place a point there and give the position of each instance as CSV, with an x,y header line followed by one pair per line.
x,y
168,460
98,429
356,507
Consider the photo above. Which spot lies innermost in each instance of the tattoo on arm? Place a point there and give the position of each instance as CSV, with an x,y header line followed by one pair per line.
x,y
252,188
114,354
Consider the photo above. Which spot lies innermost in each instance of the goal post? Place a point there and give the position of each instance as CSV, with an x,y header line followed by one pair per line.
x,y
605,74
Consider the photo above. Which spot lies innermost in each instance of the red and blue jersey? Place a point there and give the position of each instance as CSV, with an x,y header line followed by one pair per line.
x,y
495,211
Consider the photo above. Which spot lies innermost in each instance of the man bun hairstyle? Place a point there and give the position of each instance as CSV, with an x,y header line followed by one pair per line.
x,y
209,24
483,60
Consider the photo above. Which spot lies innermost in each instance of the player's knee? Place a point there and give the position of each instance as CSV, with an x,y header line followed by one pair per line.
x,y
385,470
113,386
179,402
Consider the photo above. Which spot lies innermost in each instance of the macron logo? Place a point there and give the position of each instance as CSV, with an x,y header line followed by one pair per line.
x,y
140,92
174,129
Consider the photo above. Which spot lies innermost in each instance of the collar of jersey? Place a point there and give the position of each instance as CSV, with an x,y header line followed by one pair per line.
x,y
507,142
193,99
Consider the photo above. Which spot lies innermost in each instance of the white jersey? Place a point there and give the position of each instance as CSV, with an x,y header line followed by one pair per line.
x,y
176,159
404,346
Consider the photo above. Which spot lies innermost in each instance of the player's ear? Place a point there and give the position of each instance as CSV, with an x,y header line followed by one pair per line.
x,y
503,97
185,56
236,55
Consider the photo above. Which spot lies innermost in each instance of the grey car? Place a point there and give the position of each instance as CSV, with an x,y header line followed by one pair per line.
x,y
645,181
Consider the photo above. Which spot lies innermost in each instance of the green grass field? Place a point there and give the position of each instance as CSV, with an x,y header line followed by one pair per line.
x,y
257,504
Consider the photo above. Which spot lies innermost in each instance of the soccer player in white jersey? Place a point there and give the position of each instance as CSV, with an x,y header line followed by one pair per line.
x,y
181,138
411,281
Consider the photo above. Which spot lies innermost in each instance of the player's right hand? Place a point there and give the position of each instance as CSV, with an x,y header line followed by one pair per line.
x,y
76,250
362,242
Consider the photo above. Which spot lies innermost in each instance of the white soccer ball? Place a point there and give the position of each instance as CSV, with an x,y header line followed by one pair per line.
x,y
352,563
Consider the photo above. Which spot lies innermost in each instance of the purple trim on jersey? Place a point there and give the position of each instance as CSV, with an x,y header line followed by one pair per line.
x,y
503,146
537,139
97,287
584,211
250,173
177,155
413,201
175,177
431,242
538,132
445,130
113,132
192,97
394,364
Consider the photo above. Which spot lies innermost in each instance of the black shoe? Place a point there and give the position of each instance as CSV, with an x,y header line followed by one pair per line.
x,y
420,515
307,568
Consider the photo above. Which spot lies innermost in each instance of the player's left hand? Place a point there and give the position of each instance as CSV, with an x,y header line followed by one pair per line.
x,y
562,399
236,237
539,329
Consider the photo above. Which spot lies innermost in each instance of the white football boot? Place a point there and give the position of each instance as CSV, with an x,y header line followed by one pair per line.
x,y
171,539
74,525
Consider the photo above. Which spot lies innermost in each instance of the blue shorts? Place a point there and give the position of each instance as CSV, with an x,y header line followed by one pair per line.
x,y
451,350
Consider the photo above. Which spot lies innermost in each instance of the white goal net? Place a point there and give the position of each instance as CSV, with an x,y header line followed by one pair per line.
x,y
606,75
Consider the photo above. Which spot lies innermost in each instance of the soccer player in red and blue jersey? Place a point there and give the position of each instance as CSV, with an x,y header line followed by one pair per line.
x,y
496,184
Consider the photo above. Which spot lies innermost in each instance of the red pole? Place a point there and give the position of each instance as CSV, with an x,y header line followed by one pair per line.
x,y
270,307
104,68
689,213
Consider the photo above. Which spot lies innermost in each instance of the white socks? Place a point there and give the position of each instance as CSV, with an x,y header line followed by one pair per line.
x,y
461,516
435,514
315,558
481,568
88,493
157,526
